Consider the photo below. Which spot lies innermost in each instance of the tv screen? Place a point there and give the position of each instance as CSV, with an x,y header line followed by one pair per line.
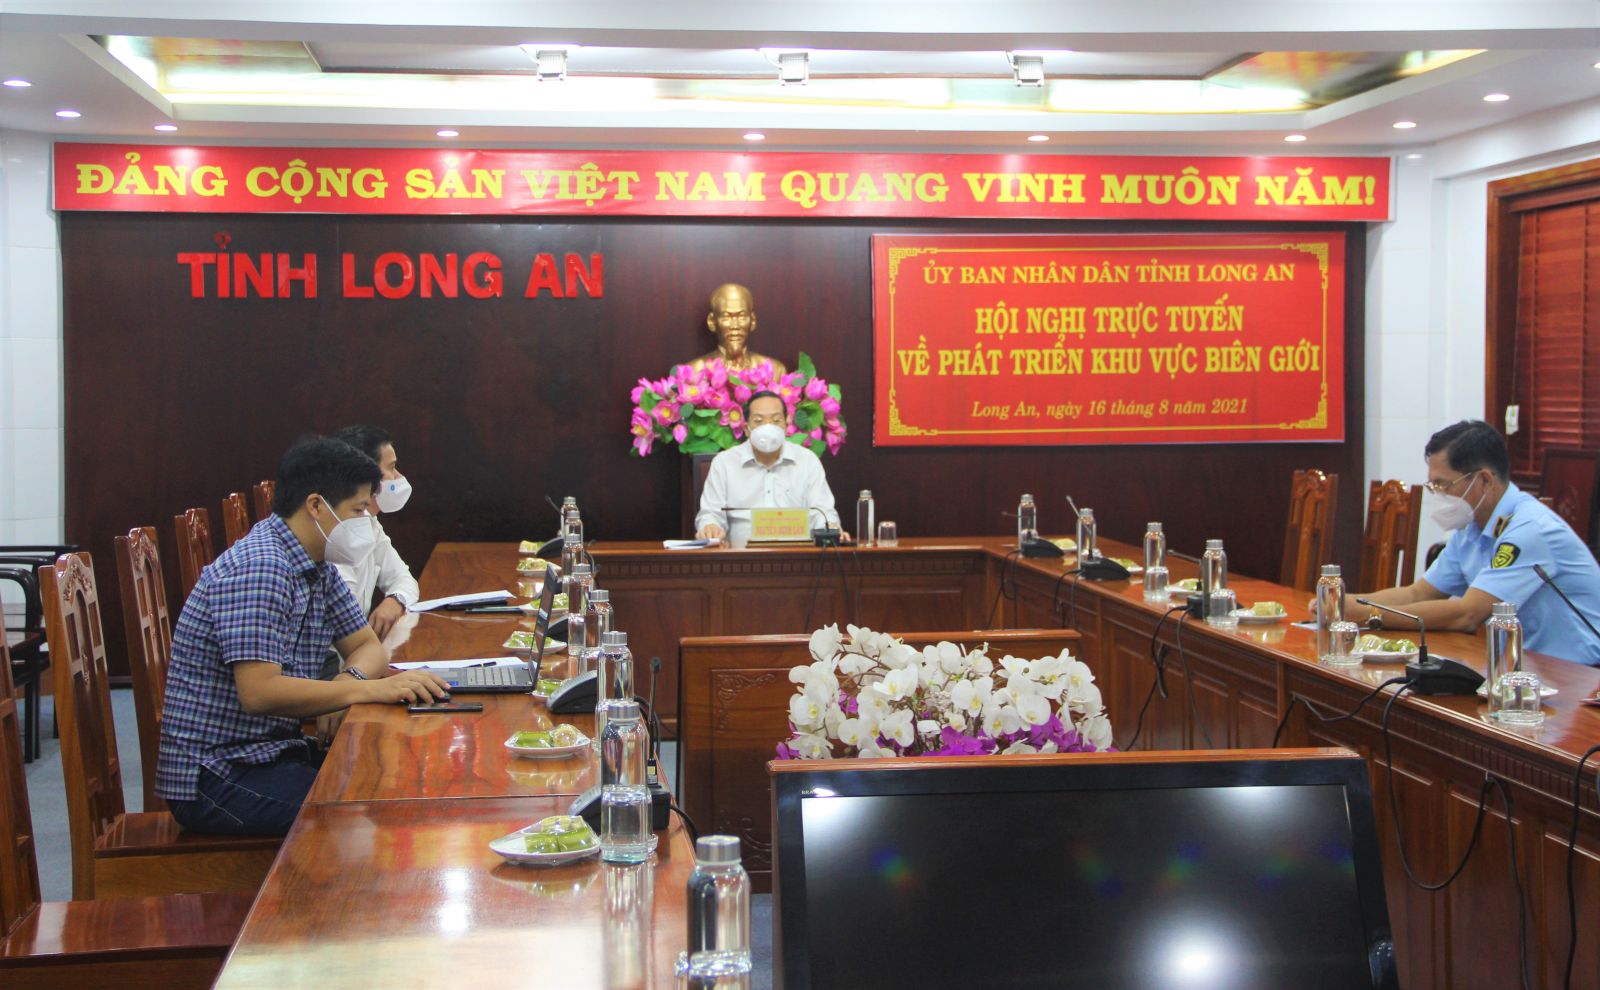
x,y
1105,886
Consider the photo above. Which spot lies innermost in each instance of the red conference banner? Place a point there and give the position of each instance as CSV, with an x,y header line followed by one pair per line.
x,y
440,181
1108,339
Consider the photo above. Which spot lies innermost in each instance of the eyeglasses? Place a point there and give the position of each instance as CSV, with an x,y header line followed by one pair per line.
x,y
1443,487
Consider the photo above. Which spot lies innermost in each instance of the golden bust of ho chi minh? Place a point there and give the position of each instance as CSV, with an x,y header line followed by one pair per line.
x,y
733,320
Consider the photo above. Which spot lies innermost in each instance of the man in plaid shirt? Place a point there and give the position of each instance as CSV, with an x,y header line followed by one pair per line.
x,y
249,647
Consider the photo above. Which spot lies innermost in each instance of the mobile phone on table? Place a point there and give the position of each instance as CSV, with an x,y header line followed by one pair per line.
x,y
446,706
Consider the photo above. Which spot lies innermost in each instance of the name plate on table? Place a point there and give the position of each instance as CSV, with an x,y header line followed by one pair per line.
x,y
780,525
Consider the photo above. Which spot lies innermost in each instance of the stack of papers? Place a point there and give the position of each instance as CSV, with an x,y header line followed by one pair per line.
x,y
477,598
686,544
460,664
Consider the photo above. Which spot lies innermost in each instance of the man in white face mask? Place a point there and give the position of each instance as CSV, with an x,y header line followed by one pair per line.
x,y
248,648
766,471
381,571
1498,533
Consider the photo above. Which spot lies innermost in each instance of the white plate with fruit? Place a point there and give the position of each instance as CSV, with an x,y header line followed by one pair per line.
x,y
563,740
1261,614
1376,649
549,842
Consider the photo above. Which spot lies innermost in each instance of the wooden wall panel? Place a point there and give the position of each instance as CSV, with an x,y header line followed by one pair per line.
x,y
174,401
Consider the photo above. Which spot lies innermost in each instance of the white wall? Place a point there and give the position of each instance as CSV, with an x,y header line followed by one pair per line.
x,y
1426,288
31,433
1424,306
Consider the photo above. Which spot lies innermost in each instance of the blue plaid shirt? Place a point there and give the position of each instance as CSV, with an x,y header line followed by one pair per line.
x,y
264,599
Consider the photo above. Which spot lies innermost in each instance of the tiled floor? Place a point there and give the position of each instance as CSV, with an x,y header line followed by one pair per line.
x,y
47,795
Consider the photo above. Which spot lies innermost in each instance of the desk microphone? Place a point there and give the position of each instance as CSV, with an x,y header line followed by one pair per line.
x,y
1439,676
552,548
1034,546
587,804
1547,579
1182,556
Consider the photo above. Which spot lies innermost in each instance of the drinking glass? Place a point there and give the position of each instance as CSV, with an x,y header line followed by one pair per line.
x,y
1342,638
1520,702
1155,585
888,533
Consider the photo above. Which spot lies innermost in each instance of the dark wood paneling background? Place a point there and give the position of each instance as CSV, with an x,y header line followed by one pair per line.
x,y
173,401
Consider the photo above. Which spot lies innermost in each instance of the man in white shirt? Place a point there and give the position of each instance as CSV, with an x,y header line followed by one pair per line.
x,y
765,471
382,570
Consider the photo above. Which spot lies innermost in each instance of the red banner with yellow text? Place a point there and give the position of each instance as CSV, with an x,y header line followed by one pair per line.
x,y
437,181
1159,338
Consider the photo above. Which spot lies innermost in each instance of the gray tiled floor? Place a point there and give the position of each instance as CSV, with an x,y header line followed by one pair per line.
x,y
47,796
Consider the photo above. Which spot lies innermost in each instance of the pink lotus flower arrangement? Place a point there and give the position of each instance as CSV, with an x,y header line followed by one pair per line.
x,y
702,412
872,695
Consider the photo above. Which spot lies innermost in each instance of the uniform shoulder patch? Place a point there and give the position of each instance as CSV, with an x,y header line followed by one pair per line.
x,y
1500,526
1505,555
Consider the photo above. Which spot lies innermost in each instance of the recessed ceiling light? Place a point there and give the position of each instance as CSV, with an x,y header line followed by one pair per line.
x,y
1404,125
755,136
1294,138
447,132
17,83
166,127
1038,138
1497,98
1414,155
69,114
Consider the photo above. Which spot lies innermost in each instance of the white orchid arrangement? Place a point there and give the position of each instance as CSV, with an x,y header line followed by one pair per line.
x,y
875,696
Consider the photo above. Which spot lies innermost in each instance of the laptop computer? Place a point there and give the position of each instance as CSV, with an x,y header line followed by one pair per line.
x,y
519,679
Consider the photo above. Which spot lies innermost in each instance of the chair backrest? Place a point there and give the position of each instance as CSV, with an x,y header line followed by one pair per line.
x,y
83,707
1393,515
19,867
1570,479
149,637
235,520
1308,536
733,710
261,494
194,548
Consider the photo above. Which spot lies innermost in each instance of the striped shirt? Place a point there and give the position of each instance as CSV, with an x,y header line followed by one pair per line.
x,y
264,599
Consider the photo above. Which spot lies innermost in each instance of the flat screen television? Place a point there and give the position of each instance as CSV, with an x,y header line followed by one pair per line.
x,y
1180,871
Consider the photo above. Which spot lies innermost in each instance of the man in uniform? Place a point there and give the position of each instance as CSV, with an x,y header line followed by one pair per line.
x,y
1498,533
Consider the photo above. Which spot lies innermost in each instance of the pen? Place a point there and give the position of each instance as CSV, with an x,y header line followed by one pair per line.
x,y
492,609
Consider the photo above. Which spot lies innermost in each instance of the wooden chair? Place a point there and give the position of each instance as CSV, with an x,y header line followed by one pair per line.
x,y
261,494
117,853
733,710
149,639
1570,479
1308,536
1394,513
30,653
235,520
177,941
194,549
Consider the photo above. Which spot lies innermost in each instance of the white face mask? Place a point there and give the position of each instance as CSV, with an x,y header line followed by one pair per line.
x,y
767,437
1452,511
351,541
393,494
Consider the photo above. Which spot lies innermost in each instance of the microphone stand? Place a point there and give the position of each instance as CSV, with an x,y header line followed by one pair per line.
x,y
1547,579
1426,675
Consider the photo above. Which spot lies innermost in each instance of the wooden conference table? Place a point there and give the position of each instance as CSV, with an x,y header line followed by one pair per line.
x,y
387,879
387,876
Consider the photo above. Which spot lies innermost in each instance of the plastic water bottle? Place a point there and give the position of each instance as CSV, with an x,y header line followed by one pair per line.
x,y
576,583
624,795
615,676
1330,609
1505,651
572,522
1219,601
866,519
571,552
1027,520
1087,532
597,621
1155,563
719,918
